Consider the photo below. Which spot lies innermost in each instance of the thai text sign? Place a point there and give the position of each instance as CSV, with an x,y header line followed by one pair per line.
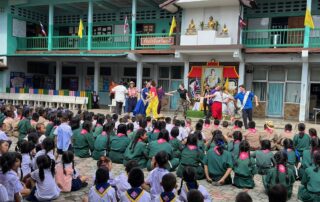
x,y
147,41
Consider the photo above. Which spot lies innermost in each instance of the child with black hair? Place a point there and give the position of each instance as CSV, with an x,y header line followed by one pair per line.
x,y
226,132
195,196
41,130
244,167
243,197
101,144
189,177
152,136
26,149
278,193
83,141
237,126
293,156
233,145
56,124
252,136
162,144
150,124
307,156
4,147
137,149
102,190
64,135
175,143
183,131
24,124
218,163
46,188
10,163
98,128
313,132
121,182
168,183
211,144
189,126
169,125
34,120
67,177
119,144
207,129
47,149
269,133
286,134
264,157
310,189
216,125
301,141
192,156
280,174
135,193
201,141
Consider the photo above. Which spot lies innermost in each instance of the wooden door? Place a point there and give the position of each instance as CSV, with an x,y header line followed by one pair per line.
x,y
295,37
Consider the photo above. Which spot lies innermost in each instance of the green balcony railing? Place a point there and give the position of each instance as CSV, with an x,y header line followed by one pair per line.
x,y
32,43
314,38
275,38
155,41
111,42
69,43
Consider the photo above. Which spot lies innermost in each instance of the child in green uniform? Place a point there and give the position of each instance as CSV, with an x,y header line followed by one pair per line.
x,y
233,145
212,144
99,126
175,143
192,156
309,191
153,135
301,141
307,156
201,142
244,167
24,125
100,144
264,157
50,125
137,149
293,156
280,174
83,141
56,124
218,163
162,144
119,144
130,132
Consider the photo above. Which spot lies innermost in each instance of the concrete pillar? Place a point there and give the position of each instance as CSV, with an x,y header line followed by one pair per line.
x,y
185,74
242,68
134,24
58,74
96,76
50,28
306,28
139,75
90,23
304,91
156,73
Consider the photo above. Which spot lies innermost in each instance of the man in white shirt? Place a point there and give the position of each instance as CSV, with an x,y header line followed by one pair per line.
x,y
120,92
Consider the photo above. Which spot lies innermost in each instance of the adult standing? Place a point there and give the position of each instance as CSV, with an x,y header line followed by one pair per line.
x,y
112,85
132,97
161,94
217,98
206,100
245,98
142,103
184,100
153,101
95,99
119,95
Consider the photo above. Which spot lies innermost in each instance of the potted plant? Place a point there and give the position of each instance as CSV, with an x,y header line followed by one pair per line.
x,y
201,25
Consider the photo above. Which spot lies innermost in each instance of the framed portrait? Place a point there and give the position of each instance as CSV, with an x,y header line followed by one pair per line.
x,y
211,76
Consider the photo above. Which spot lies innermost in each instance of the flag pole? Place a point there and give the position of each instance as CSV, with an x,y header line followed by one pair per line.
x,y
307,28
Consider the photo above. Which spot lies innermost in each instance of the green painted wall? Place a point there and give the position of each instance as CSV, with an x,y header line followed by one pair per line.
x,y
3,29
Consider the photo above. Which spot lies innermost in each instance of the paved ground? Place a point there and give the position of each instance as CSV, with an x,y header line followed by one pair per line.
x,y
219,194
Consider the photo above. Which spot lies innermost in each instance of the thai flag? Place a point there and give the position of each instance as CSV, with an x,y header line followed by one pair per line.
x,y
242,23
42,30
126,25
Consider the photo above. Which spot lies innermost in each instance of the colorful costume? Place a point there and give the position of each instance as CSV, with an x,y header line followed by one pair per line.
x,y
142,104
153,104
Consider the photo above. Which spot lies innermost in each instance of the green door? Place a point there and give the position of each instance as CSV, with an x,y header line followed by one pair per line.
x,y
174,100
275,99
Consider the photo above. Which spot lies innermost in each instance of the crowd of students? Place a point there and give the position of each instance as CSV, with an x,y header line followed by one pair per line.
x,y
43,165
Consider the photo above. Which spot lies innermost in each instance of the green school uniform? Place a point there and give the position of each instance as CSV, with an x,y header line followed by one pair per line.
x,y
2,118
118,145
23,127
301,143
97,130
138,153
100,146
152,136
51,135
201,145
218,165
48,129
309,190
244,171
154,147
233,148
177,147
271,179
193,158
131,135
263,161
306,162
82,143
292,160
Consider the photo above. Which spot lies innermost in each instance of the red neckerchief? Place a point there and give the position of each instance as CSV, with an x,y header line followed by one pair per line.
x,y
156,131
83,132
206,125
265,151
216,126
268,130
172,138
244,155
161,141
104,133
192,147
215,149
237,141
235,127
120,134
281,168
252,130
140,140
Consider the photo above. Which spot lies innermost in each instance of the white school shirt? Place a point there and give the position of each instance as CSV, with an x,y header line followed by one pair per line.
x,y
3,193
46,189
3,136
202,189
122,184
154,178
41,138
26,164
109,195
169,127
136,126
145,197
120,92
40,153
11,182
183,133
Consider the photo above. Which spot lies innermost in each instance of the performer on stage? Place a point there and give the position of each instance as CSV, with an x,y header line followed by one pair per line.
x,y
142,103
153,101
184,100
132,97
216,107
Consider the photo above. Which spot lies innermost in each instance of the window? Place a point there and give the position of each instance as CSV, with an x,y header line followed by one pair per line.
x,y
146,72
148,28
294,74
315,72
164,84
260,90
102,30
105,71
67,70
176,72
293,92
90,71
164,72
128,71
259,74
276,75
38,68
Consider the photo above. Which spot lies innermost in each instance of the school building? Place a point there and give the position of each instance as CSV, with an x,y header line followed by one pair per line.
x,y
128,40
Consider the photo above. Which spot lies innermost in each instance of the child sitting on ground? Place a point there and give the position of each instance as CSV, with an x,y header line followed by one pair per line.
x,y
168,182
301,141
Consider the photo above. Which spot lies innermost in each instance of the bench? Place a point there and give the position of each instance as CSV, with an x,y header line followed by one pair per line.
x,y
51,101
114,104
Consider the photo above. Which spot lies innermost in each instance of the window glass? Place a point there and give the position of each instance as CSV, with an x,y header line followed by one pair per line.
x,y
164,84
176,72
129,71
315,72
259,74
67,70
260,90
276,75
146,72
294,74
105,71
293,92
164,72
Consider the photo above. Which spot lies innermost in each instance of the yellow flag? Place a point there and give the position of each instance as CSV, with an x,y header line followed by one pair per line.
x,y
308,21
226,84
80,30
173,26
